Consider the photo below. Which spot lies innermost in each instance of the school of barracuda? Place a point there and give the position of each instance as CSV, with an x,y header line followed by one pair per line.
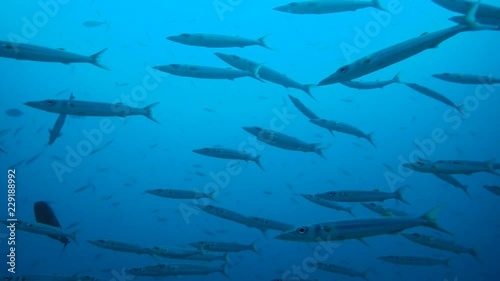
x,y
194,258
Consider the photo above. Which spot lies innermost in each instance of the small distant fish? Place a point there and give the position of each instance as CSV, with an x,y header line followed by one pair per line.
x,y
181,194
226,153
208,109
419,261
327,203
101,148
18,130
119,246
82,188
340,270
93,23
372,84
331,125
363,196
32,159
327,6
13,112
467,78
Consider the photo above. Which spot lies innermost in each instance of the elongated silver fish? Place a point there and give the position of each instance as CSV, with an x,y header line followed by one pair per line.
x,y
340,270
223,213
467,78
263,72
328,6
49,278
383,210
42,229
217,40
88,108
226,153
180,194
493,189
205,72
327,203
363,196
56,130
463,6
420,261
213,246
454,167
401,51
120,246
453,181
368,85
302,108
284,141
342,128
360,228
435,95
21,51
441,244
176,270
171,252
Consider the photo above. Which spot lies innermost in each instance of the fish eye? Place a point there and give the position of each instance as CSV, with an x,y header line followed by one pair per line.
x,y
50,102
446,74
372,204
175,65
343,69
206,149
161,265
156,248
332,193
302,230
416,235
323,120
100,241
420,163
185,35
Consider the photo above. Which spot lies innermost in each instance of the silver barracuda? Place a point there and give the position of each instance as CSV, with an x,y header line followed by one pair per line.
x,y
180,194
368,85
42,229
342,128
418,261
205,72
21,51
340,270
401,51
328,6
88,108
453,181
467,78
213,246
119,246
452,167
55,132
223,213
176,270
383,210
217,40
441,244
360,228
434,95
171,252
226,153
268,224
363,196
302,108
284,141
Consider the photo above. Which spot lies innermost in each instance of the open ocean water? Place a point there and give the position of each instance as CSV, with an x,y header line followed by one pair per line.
x,y
94,176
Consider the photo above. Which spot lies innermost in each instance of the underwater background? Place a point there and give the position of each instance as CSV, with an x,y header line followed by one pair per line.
x,y
138,154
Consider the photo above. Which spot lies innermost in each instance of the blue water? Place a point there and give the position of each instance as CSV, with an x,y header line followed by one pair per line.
x,y
196,113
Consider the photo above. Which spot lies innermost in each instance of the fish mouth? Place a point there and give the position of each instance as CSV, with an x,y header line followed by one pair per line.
x,y
197,151
30,104
408,165
172,38
248,129
328,81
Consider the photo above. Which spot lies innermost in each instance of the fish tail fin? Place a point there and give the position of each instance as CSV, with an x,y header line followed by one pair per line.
x,y
64,248
318,150
349,210
331,132
95,59
460,108
73,236
223,270
430,219
363,241
399,194
307,89
470,19
475,254
227,259
257,161
396,78
254,248
377,4
263,43
148,112
369,137
254,73
491,167
213,195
